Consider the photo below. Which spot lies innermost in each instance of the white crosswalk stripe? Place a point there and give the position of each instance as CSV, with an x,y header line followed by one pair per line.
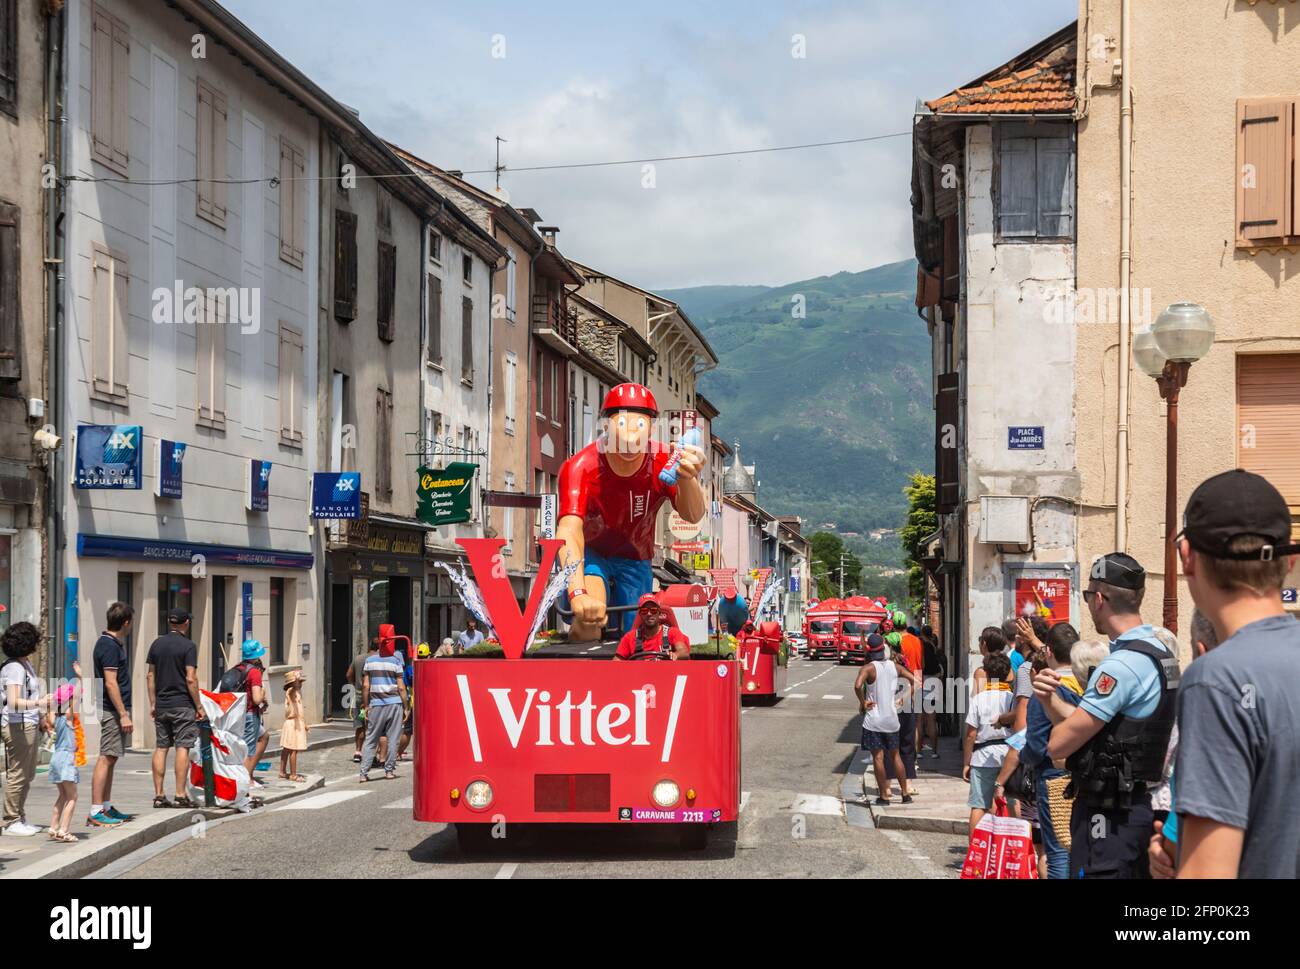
x,y
832,696
816,804
318,801
403,803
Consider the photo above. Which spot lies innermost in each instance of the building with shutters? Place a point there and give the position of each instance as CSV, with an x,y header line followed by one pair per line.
x,y
993,195
1213,221
189,342
25,468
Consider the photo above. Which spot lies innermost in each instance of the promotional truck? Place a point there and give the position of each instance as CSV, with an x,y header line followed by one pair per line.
x,y
764,658
859,617
821,628
564,734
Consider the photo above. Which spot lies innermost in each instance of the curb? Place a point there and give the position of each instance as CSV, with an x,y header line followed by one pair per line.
x,y
915,823
110,847
861,813
856,811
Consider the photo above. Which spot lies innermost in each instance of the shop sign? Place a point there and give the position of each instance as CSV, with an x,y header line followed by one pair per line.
x,y
445,497
108,456
681,528
394,541
336,495
162,550
703,560
167,469
259,485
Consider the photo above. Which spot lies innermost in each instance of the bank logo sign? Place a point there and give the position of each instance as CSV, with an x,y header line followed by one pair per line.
x,y
259,485
108,456
168,458
445,497
336,494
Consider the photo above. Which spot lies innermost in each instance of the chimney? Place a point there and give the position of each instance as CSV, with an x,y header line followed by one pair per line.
x,y
549,232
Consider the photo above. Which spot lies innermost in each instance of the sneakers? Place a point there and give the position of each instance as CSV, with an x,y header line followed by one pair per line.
x,y
21,829
101,820
117,815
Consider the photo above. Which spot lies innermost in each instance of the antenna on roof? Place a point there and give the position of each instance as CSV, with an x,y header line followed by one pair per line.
x,y
498,167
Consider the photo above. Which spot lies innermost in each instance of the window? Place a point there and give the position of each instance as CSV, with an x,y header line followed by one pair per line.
x,y
435,247
110,57
11,364
1268,416
384,443
467,340
467,268
1034,181
555,389
511,366
384,211
539,374
210,154
293,208
539,487
434,293
432,433
292,374
210,363
109,307
277,620
9,57
508,516
512,267
386,280
175,591
345,266
1265,176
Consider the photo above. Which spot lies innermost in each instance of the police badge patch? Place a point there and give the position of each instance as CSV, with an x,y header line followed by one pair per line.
x,y
1105,684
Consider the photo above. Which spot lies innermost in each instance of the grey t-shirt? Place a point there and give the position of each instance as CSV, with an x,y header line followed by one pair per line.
x,y
1025,680
1239,743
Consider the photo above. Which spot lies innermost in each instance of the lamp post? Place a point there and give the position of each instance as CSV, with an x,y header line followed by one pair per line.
x,y
1166,350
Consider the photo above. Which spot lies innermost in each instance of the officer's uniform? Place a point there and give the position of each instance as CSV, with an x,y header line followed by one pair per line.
x,y
1133,691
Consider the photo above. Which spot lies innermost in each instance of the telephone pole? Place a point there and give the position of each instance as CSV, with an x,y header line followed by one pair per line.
x,y
843,556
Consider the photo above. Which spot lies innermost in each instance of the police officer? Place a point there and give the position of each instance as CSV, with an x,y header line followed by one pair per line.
x,y
1115,739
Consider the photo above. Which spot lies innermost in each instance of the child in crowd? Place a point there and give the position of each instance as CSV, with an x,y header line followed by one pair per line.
x,y
293,734
65,724
985,744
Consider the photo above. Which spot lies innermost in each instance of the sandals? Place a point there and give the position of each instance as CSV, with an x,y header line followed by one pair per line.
x,y
161,802
390,775
882,802
356,758
183,802
63,837
284,776
296,778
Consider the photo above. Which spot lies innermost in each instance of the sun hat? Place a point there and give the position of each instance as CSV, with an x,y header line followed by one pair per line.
x,y
294,676
251,649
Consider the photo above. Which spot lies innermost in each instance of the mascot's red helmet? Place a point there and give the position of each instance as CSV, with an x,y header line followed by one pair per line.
x,y
630,397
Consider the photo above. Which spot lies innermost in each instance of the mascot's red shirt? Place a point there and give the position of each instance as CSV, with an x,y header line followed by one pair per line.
x,y
618,513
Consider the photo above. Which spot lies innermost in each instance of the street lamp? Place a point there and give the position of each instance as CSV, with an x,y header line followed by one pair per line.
x,y
1166,350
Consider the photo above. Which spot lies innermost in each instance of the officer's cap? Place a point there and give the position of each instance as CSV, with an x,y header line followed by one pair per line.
x,y
1119,569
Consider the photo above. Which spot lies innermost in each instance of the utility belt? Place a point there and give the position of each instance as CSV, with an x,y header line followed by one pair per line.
x,y
1104,779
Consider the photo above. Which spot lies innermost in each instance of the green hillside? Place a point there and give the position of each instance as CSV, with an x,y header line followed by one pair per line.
x,y
834,408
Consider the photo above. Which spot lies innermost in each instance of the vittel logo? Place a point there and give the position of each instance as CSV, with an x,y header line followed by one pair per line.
x,y
535,718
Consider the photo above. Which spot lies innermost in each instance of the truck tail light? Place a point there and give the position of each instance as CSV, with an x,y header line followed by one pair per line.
x,y
568,793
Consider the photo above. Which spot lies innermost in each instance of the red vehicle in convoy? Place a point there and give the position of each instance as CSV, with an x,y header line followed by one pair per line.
x,y
763,657
565,734
859,618
821,628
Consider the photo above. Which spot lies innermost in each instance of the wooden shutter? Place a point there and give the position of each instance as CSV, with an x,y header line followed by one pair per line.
x,y
386,280
1264,176
946,427
1268,420
121,94
467,339
383,443
434,294
511,366
210,364
345,266
291,378
11,363
9,56
1054,178
101,86
292,208
210,152
1017,188
109,319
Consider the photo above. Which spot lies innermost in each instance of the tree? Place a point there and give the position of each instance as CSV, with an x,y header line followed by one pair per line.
x,y
827,548
922,521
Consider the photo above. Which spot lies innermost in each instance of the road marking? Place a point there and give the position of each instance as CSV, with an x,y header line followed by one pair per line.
x,y
402,803
924,863
594,648
318,801
744,799
507,870
832,696
817,804
796,696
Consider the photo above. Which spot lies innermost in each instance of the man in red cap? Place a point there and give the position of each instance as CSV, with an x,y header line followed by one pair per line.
x,y
650,634
610,495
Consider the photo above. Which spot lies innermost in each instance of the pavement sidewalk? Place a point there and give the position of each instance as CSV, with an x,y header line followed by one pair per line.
x,y
133,793
940,803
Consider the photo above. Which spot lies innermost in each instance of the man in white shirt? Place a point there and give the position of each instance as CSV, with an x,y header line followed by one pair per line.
x,y
878,699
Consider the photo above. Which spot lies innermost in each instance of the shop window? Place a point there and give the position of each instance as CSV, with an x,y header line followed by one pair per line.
x,y
6,580
174,592
378,606
277,620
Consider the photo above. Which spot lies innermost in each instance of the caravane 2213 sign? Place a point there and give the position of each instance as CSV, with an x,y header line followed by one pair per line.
x,y
445,497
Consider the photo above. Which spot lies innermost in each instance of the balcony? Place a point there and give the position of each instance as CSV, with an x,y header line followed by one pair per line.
x,y
556,325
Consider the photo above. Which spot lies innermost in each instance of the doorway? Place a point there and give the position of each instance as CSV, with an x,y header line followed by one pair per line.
x,y
340,645
218,631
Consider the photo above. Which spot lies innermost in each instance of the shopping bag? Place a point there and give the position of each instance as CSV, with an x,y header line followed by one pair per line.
x,y
1001,847
229,776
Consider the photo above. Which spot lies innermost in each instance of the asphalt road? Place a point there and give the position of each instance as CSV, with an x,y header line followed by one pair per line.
x,y
791,825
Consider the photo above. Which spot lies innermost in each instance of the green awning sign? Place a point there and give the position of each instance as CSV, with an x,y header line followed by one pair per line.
x,y
445,497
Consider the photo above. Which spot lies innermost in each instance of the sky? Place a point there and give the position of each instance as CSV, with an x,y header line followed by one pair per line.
x,y
577,82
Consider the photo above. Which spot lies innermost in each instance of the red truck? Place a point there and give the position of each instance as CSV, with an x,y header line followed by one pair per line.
x,y
821,628
859,618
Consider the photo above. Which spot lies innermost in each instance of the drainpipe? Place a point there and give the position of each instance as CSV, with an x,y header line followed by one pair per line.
x,y
1125,274
54,281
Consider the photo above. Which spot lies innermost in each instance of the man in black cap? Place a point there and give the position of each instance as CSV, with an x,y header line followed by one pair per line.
x,y
174,703
1115,739
1238,721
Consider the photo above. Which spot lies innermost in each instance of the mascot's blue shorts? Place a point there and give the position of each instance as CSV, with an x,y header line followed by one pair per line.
x,y
631,579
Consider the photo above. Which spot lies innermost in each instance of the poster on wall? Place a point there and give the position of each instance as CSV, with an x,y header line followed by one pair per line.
x,y
1050,594
108,456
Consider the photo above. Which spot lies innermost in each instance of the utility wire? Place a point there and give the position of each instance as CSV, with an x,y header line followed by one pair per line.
x,y
275,180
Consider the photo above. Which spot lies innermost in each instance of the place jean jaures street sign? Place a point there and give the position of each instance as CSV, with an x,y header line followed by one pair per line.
x,y
445,497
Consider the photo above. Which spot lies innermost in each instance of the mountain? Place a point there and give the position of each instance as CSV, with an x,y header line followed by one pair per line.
x,y
832,404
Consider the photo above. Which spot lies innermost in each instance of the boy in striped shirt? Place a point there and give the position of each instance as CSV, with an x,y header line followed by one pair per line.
x,y
383,692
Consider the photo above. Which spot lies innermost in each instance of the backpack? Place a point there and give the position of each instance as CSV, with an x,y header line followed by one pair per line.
x,y
234,680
